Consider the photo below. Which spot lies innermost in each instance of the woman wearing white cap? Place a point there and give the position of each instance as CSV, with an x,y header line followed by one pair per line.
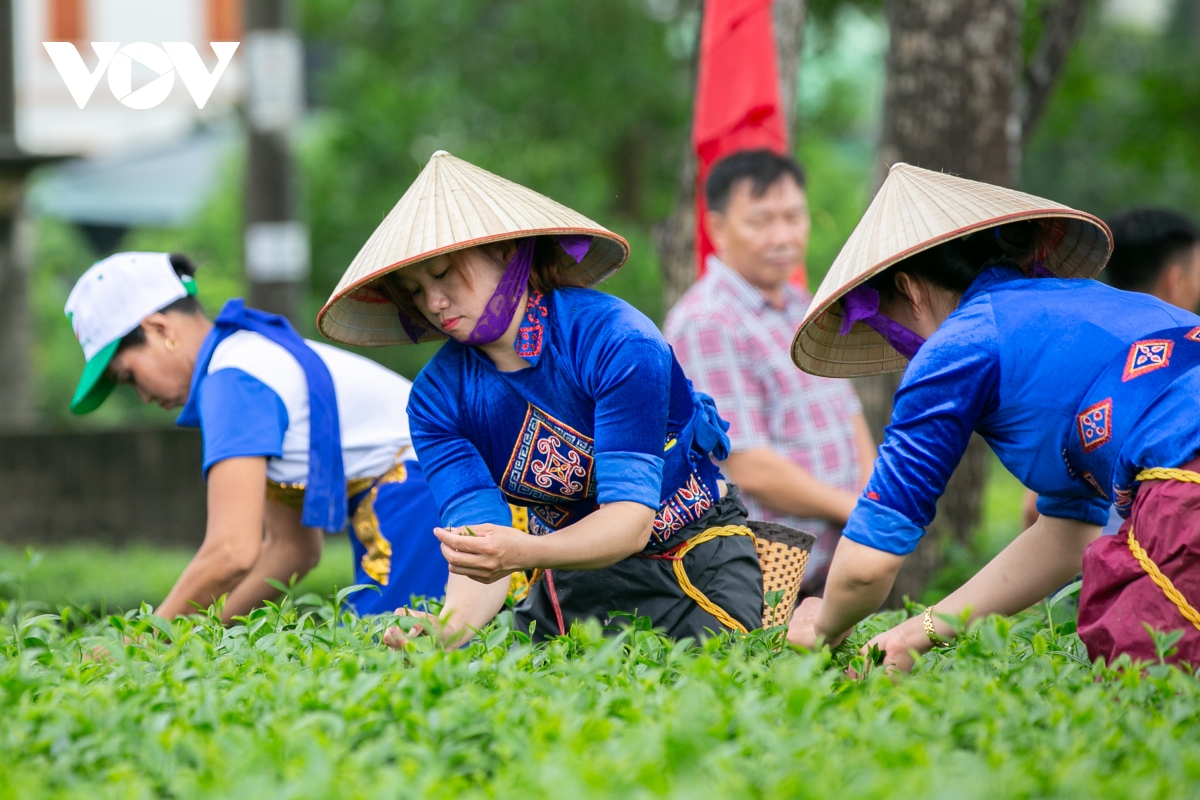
x,y
1087,394
558,398
299,437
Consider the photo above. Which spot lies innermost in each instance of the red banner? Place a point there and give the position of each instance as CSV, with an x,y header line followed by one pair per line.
x,y
737,96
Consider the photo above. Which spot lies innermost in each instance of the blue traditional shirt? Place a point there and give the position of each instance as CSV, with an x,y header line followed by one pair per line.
x,y
1013,362
603,414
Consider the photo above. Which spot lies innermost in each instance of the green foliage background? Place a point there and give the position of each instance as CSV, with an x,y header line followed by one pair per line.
x,y
589,104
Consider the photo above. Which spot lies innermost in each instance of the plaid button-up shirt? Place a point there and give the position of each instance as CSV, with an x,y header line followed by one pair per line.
x,y
736,347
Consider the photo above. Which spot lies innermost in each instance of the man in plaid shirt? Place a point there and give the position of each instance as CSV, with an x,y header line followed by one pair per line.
x,y
801,450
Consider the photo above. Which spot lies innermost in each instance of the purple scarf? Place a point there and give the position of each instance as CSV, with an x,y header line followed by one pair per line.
x,y
498,313
861,304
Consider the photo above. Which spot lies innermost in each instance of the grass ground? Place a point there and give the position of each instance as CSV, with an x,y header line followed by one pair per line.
x,y
107,579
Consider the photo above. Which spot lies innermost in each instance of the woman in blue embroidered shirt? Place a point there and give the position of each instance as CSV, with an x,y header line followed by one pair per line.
x,y
292,430
559,399
1087,394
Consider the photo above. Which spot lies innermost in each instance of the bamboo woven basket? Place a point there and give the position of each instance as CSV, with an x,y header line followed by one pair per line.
x,y
783,554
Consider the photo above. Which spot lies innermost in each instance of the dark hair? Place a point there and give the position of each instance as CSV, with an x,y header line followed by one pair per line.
x,y
954,265
189,305
1145,241
761,167
545,274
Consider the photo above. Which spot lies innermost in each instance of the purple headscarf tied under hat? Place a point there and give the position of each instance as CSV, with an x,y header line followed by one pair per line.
x,y
861,304
501,306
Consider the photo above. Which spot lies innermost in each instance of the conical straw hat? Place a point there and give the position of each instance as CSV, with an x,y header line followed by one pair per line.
x,y
453,205
917,209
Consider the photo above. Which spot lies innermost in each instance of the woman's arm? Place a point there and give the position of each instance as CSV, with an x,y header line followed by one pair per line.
x,y
1040,560
469,606
785,486
232,538
607,535
289,550
860,578
481,564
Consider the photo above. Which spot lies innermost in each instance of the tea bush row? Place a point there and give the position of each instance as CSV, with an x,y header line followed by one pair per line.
x,y
301,701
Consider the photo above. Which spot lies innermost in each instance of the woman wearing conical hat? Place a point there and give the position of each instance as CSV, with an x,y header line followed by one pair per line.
x,y
300,438
1087,394
554,397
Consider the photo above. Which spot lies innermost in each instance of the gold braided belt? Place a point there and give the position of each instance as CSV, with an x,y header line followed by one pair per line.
x,y
676,554
1143,558
377,561
291,495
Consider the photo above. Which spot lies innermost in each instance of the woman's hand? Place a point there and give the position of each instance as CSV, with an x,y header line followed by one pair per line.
x,y
802,630
900,645
397,638
469,606
486,553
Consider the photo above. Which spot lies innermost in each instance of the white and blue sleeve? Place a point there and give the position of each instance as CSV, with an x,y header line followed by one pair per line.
x,y
240,416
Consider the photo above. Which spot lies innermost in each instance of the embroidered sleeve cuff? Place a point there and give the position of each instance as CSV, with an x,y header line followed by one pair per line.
x,y
477,508
1092,510
629,477
875,525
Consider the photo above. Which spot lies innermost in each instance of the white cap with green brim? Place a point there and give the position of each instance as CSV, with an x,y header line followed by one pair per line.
x,y
110,300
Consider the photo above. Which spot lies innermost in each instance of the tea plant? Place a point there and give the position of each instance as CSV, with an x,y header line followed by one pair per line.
x,y
299,700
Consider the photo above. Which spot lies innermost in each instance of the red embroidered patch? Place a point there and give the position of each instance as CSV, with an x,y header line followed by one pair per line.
x,y
1193,334
1123,500
1095,425
872,495
1147,356
687,505
1095,484
529,337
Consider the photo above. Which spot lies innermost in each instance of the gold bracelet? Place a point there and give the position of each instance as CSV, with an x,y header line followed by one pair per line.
x,y
934,639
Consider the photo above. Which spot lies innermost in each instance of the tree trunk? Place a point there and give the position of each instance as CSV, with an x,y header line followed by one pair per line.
x,y
16,384
951,104
789,35
16,337
675,237
1060,27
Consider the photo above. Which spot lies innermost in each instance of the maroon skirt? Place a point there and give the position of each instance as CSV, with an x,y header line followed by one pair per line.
x,y
1118,595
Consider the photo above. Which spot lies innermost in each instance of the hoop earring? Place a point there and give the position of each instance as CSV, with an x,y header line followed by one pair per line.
x,y
171,345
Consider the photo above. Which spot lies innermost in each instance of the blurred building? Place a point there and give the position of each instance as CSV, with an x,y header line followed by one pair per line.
x,y
48,118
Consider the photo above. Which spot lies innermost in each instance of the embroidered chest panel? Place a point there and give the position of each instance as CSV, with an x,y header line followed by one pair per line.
x,y
552,472
548,519
551,462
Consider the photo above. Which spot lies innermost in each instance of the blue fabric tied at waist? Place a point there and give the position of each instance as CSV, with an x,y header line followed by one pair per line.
x,y
1117,400
325,490
709,429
